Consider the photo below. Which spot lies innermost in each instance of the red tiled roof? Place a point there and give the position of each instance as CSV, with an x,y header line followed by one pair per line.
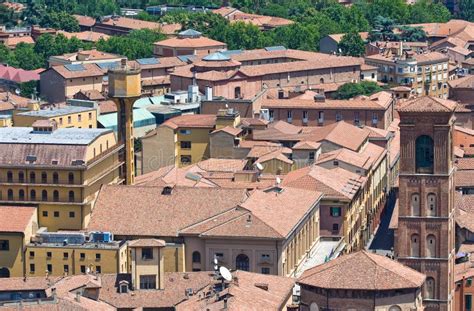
x,y
428,104
367,271
15,218
199,42
193,120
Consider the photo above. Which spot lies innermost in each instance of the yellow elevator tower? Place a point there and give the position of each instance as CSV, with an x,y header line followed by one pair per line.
x,y
125,89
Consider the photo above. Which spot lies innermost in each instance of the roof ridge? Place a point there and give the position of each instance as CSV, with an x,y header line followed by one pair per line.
x,y
386,269
342,259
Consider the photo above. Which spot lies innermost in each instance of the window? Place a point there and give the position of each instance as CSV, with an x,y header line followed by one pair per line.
x,y
98,269
185,159
65,255
335,211
375,118
66,268
56,214
97,256
338,116
71,178
21,177
147,253
55,178
335,227
265,270
468,302
83,269
242,262
321,80
44,195
289,114
415,204
4,245
431,200
49,268
148,281
271,114
60,121
82,256
32,268
356,117
429,288
32,254
311,155
21,195
69,120
32,177
196,257
431,246
321,116
185,132
45,213
237,92
71,196
44,178
185,145
9,176
55,195
90,116
72,214
415,246
10,195
424,154
79,117
335,163
305,115
49,255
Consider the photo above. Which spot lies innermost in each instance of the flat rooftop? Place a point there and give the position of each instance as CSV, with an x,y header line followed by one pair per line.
x,y
55,112
87,245
62,136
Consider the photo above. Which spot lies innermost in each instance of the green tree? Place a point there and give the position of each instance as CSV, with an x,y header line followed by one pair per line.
x,y
350,90
466,10
29,88
60,20
26,58
425,11
352,44
412,34
383,30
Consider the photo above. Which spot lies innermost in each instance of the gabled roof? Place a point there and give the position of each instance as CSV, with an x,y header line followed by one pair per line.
x,y
362,271
428,104
464,82
15,218
306,145
191,121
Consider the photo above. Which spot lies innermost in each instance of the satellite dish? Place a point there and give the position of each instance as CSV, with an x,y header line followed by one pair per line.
x,y
215,261
225,273
278,180
17,91
259,166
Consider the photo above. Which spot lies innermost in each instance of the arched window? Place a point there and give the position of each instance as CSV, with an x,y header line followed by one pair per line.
x,y
415,245
33,195
237,92
430,246
313,307
21,177
55,178
55,195
321,80
44,178
71,178
424,154
4,273
71,196
21,195
431,205
395,308
196,257
430,288
242,262
32,177
10,194
9,176
44,195
415,204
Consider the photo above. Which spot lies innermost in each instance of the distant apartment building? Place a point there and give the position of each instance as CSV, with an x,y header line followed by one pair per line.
x,y
58,170
261,21
61,82
188,42
244,74
63,116
313,109
426,73
119,25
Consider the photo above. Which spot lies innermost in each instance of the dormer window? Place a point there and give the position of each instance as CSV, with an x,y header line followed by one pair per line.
x,y
123,287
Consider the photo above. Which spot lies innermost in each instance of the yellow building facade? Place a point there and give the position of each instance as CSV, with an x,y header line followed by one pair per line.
x,y
60,171
65,117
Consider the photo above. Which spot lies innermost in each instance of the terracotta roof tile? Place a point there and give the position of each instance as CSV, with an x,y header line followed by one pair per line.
x,y
191,120
147,243
117,212
230,130
464,82
428,104
90,70
85,20
367,271
190,42
15,218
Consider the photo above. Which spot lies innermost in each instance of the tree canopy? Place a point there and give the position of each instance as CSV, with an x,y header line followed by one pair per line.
x,y
352,44
350,90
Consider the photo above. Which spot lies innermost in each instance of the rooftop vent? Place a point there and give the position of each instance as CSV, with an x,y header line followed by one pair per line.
x,y
167,190
31,158
78,162
263,286
319,98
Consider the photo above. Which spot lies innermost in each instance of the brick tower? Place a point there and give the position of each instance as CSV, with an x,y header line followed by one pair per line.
x,y
424,238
